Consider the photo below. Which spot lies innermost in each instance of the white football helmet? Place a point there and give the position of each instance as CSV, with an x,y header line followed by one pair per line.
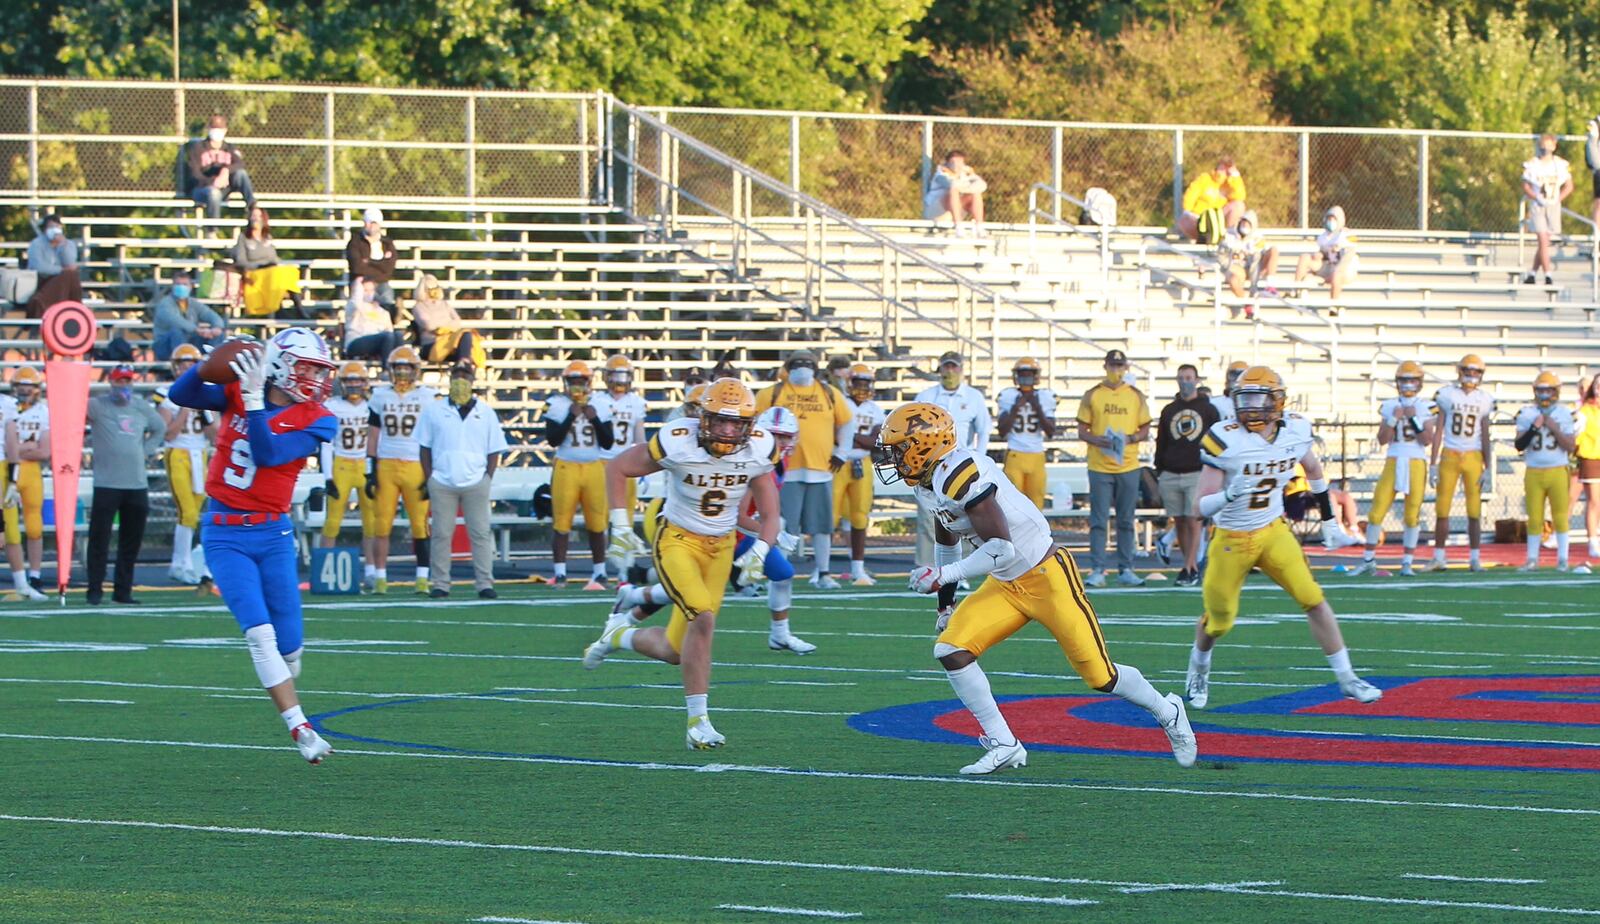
x,y
779,421
298,362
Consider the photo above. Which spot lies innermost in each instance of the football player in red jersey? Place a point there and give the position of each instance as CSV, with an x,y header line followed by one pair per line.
x,y
272,420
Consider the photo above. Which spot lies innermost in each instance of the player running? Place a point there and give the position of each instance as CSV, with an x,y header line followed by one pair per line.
x,y
852,484
1027,577
394,466
712,463
344,465
24,483
1247,461
190,436
1547,432
272,421
1409,428
1464,410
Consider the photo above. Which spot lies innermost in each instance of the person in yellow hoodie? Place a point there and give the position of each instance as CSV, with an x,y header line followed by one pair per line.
x,y
826,434
1213,203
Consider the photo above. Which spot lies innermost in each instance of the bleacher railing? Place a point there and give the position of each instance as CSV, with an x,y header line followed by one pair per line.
x,y
86,138
1386,178
1593,236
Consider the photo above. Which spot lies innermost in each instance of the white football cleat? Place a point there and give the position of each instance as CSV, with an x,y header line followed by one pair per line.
x,y
1181,734
1164,547
621,604
1335,537
1581,569
1197,686
1407,571
600,647
997,756
702,737
1367,566
824,582
750,592
1435,564
1359,690
793,643
29,592
1526,567
1127,578
311,745
183,576
865,580
1096,578
1477,566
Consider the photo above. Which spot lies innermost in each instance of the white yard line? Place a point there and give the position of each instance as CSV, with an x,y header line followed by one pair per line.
x,y
103,702
841,775
1453,667
794,912
493,919
1198,887
1420,902
1494,879
1022,899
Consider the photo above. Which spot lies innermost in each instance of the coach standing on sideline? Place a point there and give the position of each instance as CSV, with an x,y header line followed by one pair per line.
x,y
1113,419
461,441
971,412
1184,421
124,434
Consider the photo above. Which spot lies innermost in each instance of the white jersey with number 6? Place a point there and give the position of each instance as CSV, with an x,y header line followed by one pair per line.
x,y
704,492
1544,451
961,480
1268,464
1463,415
396,414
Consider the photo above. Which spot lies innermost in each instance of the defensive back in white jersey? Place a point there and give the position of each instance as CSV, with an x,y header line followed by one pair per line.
x,y
963,478
1268,464
704,492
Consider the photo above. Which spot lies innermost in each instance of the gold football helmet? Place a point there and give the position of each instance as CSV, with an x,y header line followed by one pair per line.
x,y
405,364
691,400
862,383
1235,369
26,383
727,414
1470,371
1546,389
913,440
1408,379
1025,374
353,380
618,375
1258,398
184,355
577,380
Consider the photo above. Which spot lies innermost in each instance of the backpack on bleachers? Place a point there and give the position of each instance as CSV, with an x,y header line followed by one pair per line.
x,y
1100,208
1209,229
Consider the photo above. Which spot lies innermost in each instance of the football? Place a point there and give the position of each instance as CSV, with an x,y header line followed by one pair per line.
x,y
216,368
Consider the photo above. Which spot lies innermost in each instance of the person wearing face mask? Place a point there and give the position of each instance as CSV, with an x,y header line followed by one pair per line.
x,y
124,434
1184,420
1334,261
371,255
826,419
1546,181
180,317
461,443
27,447
215,169
1113,419
442,335
967,405
54,257
1247,261
262,282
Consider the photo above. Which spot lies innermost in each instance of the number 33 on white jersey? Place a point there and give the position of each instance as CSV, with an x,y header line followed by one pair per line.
x,y
704,491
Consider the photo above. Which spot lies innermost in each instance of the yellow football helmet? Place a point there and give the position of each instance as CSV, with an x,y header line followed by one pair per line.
x,y
25,384
1408,379
1258,398
691,400
352,380
1235,369
1546,389
913,440
185,353
862,383
577,380
1025,374
1470,371
727,414
618,375
404,364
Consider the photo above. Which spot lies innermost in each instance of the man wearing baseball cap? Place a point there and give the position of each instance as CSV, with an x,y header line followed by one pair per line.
x,y
371,255
971,412
1113,419
123,434
806,497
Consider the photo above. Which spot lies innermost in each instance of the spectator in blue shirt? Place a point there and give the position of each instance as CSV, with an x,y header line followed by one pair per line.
x,y
55,258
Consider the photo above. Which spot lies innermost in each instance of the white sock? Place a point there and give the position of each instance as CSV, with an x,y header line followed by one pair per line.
x,y
624,639
293,717
972,685
634,595
422,572
1475,558
1438,553
600,571
696,704
33,574
1563,544
1374,535
858,568
561,571
822,550
369,571
182,541
1340,662
1409,537
780,630
1533,546
1594,548
19,580
381,574
1200,659
1132,687
1405,559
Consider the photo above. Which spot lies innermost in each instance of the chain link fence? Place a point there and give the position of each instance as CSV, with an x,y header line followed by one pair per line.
x,y
65,137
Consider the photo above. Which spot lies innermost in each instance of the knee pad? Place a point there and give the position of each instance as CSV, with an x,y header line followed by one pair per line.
x,y
943,650
780,594
639,575
648,607
292,659
262,641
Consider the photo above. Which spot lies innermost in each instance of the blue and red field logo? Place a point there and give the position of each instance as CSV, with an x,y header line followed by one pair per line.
x,y
1103,725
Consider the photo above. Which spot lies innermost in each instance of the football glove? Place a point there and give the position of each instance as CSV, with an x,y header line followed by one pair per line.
x,y
924,579
13,497
788,542
252,372
945,612
372,484
1239,486
624,541
752,564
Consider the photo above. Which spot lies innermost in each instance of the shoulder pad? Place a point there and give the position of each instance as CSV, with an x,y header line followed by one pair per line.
x,y
1219,437
955,474
673,439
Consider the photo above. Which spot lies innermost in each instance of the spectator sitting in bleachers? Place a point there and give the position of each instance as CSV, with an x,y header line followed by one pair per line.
x,y
368,329
441,333
371,256
1334,261
955,189
55,259
1246,258
179,317
1213,203
257,282
1546,181
216,169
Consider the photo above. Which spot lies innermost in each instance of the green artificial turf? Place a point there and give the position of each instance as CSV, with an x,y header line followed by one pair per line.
x,y
491,777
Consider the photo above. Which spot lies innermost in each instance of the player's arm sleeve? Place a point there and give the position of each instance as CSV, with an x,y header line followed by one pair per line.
x,y
191,391
604,433
269,449
555,431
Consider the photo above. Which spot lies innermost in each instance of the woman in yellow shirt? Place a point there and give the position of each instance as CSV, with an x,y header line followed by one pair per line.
x,y
1587,452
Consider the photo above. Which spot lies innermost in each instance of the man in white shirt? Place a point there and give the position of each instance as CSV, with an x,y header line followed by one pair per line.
x,y
1546,181
461,441
971,412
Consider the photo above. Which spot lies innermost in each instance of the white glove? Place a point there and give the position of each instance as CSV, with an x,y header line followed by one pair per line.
x,y
945,612
13,498
788,542
1433,477
752,564
1238,486
925,579
625,543
252,373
